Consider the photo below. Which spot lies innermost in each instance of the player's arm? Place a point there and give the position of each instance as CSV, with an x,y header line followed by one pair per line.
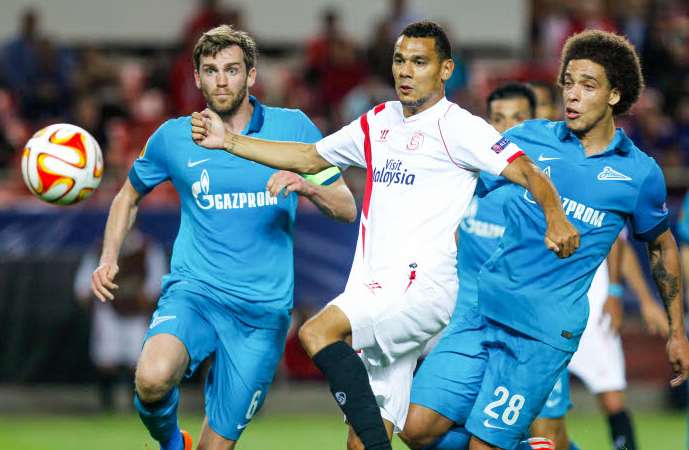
x,y
207,130
653,315
561,236
335,200
684,253
665,267
613,306
120,220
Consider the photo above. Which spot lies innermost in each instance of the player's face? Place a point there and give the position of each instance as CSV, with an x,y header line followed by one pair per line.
x,y
419,73
224,80
545,104
587,96
508,112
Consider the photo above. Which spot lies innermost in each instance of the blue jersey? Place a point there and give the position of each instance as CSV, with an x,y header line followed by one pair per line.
x,y
683,222
235,239
527,287
480,232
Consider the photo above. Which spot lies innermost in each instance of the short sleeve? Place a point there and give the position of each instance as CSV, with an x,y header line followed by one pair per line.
x,y
488,183
683,221
345,147
650,216
310,132
150,168
473,144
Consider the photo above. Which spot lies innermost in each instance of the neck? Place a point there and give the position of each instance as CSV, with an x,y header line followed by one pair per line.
x,y
434,98
238,121
597,139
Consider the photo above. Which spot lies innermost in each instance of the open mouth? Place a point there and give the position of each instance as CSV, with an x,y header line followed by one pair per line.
x,y
572,114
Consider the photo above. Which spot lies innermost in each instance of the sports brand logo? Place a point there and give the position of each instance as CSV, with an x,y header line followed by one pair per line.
x,y
191,163
499,146
487,424
546,158
383,135
610,174
341,398
157,320
416,141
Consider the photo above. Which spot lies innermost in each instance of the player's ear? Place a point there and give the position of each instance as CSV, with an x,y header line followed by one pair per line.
x,y
446,69
197,79
251,77
614,97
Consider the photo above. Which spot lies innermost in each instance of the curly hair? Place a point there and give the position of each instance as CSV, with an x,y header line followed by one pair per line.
x,y
617,56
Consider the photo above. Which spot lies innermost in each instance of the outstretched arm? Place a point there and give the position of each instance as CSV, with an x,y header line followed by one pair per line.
x,y
120,220
665,267
207,130
560,236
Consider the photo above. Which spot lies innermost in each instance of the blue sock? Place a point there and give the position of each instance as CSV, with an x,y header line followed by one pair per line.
x,y
160,418
455,438
573,446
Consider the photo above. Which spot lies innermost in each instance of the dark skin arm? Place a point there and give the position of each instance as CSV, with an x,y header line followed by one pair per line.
x,y
665,267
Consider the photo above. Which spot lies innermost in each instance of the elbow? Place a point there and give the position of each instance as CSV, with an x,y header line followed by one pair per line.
x,y
350,215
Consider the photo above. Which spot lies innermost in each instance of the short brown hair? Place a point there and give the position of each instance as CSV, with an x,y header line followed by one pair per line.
x,y
617,56
219,38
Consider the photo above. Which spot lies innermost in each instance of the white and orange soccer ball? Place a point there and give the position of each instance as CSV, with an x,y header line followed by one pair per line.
x,y
62,164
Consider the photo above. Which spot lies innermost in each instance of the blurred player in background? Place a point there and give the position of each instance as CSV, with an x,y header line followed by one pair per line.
x,y
422,155
118,328
511,362
229,293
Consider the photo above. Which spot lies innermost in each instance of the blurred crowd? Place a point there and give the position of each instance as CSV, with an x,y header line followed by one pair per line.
x,y
122,95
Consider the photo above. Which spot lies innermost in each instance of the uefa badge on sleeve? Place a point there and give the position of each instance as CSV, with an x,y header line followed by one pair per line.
x,y
416,141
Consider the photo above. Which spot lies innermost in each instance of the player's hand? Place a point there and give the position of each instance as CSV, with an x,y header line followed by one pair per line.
x,y
102,283
655,319
613,309
561,237
285,182
678,355
207,129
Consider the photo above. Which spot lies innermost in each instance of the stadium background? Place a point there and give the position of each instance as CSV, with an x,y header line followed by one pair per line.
x,y
119,69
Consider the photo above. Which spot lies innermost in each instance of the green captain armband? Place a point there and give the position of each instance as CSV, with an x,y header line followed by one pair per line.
x,y
324,177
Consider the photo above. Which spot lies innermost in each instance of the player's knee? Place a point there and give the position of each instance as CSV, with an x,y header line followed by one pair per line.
x,y
417,436
154,380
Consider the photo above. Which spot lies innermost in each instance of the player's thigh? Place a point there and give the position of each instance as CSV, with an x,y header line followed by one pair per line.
x,y
179,333
449,378
558,402
238,381
520,374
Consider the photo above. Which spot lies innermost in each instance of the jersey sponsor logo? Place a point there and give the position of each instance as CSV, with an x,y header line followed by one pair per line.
x,y
191,163
383,135
499,146
200,190
157,320
610,174
393,173
487,424
416,141
470,224
546,158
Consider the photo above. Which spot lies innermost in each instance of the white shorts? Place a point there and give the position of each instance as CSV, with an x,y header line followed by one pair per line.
x,y
391,329
599,360
115,339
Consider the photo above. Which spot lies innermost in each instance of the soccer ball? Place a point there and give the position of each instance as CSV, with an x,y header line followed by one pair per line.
x,y
62,164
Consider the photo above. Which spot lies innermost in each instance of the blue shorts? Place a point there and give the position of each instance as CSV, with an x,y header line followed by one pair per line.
x,y
558,402
245,357
520,374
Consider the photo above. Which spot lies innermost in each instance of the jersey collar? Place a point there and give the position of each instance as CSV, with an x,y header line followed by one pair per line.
x,y
442,106
620,142
257,117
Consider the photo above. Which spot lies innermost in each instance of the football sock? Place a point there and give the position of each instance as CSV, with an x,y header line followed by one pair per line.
x,y
621,431
349,385
456,437
160,418
573,446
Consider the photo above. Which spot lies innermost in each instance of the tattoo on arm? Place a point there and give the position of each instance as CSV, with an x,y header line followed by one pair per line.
x,y
668,283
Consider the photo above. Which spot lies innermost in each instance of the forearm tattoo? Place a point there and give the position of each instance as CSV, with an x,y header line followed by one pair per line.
x,y
667,282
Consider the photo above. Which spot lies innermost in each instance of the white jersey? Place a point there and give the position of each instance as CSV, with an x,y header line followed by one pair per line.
x,y
421,172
